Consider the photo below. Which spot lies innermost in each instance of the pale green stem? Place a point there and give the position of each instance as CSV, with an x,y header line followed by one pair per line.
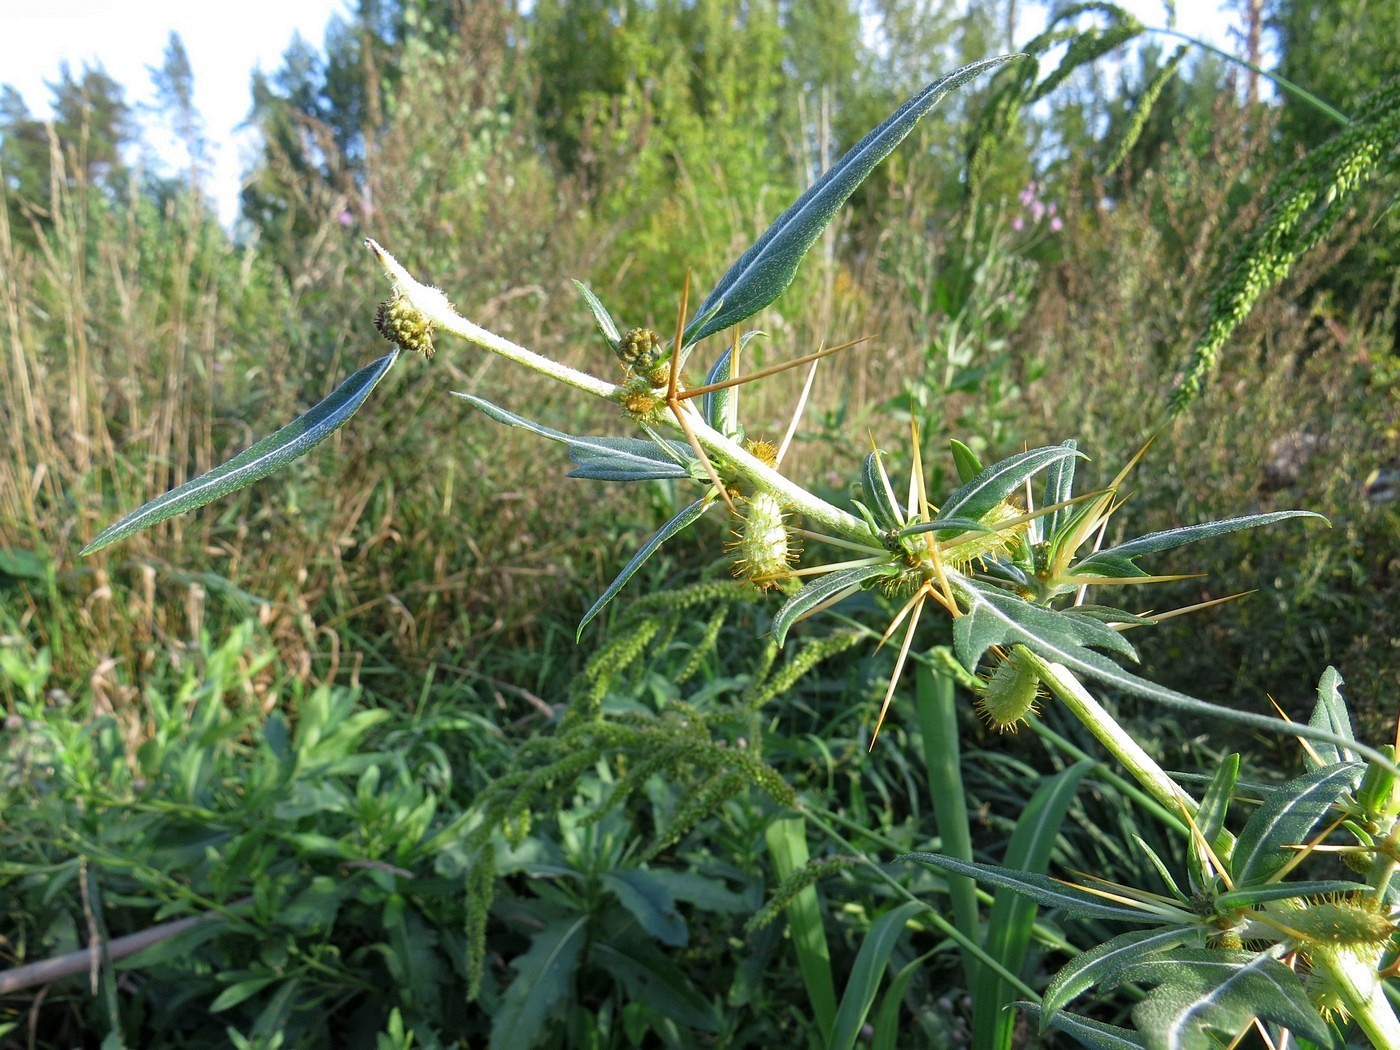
x,y
1142,766
433,305
1361,988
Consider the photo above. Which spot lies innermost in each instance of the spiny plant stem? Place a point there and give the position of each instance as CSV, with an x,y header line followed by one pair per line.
x,y
1120,744
433,305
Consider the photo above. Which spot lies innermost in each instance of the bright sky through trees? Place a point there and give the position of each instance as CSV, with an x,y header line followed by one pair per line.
x,y
225,42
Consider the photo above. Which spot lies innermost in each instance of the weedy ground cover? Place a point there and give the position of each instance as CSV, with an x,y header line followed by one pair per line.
x,y
701,806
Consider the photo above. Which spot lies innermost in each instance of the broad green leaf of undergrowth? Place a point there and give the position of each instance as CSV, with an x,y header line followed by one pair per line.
x,y
766,269
1200,990
650,903
271,453
543,977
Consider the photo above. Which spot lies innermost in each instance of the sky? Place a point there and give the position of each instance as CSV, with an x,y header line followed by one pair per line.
x,y
227,41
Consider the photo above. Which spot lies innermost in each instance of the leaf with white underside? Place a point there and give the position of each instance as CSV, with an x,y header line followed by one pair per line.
x,y
602,458
998,481
1285,818
765,270
1118,562
1204,990
1096,1035
276,450
1087,968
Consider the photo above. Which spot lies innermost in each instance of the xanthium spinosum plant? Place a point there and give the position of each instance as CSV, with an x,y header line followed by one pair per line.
x,y
1010,562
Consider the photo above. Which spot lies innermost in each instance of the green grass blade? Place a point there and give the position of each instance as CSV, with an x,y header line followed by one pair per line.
x,y
864,982
1012,915
787,844
765,270
938,720
294,440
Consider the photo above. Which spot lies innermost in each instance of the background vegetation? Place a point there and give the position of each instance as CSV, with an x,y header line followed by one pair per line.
x,y
341,711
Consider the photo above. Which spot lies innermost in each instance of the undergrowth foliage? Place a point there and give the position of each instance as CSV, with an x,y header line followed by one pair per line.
x,y
346,856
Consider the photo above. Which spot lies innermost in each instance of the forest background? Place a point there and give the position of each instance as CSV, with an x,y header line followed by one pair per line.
x,y
398,611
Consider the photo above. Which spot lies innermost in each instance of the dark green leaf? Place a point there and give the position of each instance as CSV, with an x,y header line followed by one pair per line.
x,y
544,977
1042,889
1059,486
1210,817
763,272
1251,897
1284,820
869,968
686,517
1096,1035
821,590
277,450
1200,990
650,903
1112,558
879,495
998,481
1087,968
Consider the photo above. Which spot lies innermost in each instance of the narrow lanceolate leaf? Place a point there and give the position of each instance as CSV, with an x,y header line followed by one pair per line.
x,y
1252,897
607,327
1042,889
824,589
1204,990
763,272
1087,968
969,466
1096,1035
602,458
1000,480
687,516
998,618
1012,916
1210,818
1331,713
879,494
294,440
1118,561
1284,820
1059,487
